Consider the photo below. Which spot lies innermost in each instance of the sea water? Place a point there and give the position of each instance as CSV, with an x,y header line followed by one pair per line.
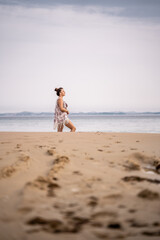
x,y
85,123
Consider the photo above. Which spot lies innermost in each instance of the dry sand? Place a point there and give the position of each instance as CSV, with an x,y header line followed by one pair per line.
x,y
82,186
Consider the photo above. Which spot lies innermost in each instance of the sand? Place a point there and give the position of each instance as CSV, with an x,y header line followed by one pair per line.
x,y
80,185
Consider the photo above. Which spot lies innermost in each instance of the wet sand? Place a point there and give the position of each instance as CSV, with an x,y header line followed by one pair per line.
x,y
82,185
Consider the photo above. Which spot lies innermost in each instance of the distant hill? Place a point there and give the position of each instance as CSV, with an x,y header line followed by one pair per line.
x,y
51,114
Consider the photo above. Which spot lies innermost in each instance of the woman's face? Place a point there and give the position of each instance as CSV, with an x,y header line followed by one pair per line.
x,y
62,93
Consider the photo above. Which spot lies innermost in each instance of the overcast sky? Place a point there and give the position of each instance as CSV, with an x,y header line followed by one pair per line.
x,y
104,53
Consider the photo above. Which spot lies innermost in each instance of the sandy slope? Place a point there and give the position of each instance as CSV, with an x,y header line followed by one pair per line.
x,y
79,186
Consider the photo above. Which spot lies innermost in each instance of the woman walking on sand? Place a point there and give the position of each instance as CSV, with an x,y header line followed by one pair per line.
x,y
60,115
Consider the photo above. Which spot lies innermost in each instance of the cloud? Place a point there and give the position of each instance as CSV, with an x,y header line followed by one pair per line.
x,y
132,8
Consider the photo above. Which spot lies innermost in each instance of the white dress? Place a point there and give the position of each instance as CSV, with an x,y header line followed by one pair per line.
x,y
60,118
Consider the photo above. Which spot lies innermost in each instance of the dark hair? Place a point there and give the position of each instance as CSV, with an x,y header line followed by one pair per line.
x,y
58,90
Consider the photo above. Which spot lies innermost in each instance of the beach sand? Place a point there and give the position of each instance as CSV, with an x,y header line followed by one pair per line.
x,y
80,185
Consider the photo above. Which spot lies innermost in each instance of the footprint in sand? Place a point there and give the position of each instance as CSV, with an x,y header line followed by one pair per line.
x,y
93,201
72,224
58,164
132,210
148,194
151,233
41,146
133,148
43,183
131,165
114,225
24,158
123,150
156,224
140,179
158,167
148,163
51,152
8,171
55,178
117,142
100,150
49,225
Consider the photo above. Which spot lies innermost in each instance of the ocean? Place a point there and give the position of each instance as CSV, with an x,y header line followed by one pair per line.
x,y
136,123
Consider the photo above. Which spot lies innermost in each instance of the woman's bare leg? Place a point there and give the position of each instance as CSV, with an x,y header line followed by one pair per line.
x,y
60,128
71,126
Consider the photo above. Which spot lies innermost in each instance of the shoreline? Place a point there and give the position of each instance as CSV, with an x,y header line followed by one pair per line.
x,y
79,132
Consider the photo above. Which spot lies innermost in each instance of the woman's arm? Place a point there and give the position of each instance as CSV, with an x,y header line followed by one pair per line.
x,y
60,102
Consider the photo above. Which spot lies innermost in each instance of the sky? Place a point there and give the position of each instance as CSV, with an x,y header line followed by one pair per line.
x,y
104,53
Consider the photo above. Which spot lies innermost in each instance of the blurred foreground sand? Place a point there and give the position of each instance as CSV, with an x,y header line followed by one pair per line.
x,y
82,186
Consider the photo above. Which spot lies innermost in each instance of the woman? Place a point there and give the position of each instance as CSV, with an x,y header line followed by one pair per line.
x,y
60,116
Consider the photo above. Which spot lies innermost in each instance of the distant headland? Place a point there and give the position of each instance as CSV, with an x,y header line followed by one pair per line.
x,y
50,114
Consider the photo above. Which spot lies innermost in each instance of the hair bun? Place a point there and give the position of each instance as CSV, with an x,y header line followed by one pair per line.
x,y
56,89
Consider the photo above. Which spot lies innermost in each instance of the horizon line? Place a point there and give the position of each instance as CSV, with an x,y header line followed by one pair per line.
x,y
117,111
